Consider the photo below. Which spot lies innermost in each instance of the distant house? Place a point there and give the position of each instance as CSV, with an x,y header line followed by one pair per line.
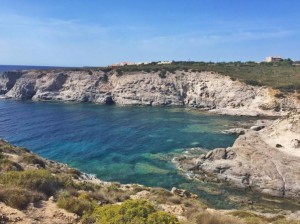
x,y
128,63
273,59
164,62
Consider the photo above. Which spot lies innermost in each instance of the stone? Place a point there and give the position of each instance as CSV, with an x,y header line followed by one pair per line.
x,y
219,153
208,155
235,131
257,128
296,143
206,90
253,162
183,193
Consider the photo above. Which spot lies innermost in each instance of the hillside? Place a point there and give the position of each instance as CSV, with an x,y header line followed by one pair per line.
x,y
284,75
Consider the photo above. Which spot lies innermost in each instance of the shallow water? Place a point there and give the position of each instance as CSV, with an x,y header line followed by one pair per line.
x,y
124,144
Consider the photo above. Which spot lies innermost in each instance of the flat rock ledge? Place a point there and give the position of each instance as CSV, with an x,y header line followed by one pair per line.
x,y
263,159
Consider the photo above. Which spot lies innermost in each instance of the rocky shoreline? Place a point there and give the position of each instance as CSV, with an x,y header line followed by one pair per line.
x,y
264,158
182,204
203,90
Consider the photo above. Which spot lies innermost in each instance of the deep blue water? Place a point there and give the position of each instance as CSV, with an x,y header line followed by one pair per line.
x,y
4,68
125,144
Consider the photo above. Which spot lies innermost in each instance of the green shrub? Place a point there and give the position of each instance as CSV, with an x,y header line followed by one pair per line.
x,y
132,211
8,148
112,194
38,180
78,205
86,186
160,217
162,74
119,72
32,159
208,218
7,165
113,187
5,147
279,95
252,218
104,78
19,198
253,82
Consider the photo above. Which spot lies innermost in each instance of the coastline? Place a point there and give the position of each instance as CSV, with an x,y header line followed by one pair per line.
x,y
253,159
208,91
177,202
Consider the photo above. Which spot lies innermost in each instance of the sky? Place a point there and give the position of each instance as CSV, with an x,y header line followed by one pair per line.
x,y
103,32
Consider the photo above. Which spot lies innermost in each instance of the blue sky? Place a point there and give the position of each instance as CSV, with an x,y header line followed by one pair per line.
x,y
94,33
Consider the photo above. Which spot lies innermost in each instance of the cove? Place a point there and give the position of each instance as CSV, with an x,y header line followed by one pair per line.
x,y
116,143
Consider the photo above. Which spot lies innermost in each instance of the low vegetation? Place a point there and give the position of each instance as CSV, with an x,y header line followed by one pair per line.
x,y
252,218
131,211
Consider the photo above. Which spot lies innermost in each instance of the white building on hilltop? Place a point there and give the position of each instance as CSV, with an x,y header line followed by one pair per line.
x,y
273,59
164,62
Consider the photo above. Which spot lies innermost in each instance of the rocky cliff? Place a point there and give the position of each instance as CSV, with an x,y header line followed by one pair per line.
x,y
264,159
205,90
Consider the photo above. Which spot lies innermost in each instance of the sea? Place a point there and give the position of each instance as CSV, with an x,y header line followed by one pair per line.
x,y
4,68
126,144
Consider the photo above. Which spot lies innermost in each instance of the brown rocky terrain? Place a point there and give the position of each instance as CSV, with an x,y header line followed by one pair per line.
x,y
204,90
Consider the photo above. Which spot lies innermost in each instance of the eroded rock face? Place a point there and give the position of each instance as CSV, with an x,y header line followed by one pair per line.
x,y
205,90
254,162
8,80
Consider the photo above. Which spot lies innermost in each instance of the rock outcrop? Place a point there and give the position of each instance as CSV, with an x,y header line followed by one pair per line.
x,y
205,90
255,161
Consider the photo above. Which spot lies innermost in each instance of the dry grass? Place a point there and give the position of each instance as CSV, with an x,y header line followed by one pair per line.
x,y
33,159
252,218
208,218
19,198
8,165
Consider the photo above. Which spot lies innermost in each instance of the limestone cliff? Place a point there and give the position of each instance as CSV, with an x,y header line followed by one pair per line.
x,y
263,159
205,90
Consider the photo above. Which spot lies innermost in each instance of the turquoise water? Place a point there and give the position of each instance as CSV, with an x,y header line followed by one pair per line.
x,y
124,144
